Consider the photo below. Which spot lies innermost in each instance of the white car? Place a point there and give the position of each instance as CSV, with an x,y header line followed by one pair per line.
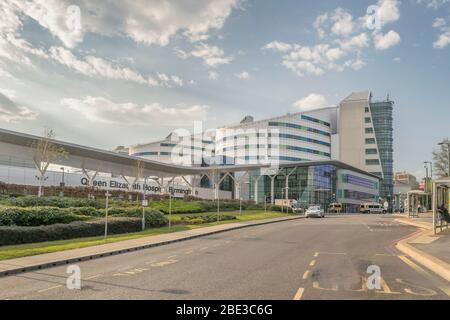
x,y
315,211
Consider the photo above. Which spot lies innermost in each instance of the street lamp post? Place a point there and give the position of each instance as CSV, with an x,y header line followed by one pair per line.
x,y
448,150
426,186
62,184
170,206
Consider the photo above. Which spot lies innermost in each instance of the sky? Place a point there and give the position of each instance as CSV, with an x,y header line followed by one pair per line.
x,y
122,72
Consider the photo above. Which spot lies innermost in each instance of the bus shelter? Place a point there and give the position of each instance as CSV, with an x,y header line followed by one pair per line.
x,y
441,201
416,200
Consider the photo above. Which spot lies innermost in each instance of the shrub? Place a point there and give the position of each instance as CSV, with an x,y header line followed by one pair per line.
x,y
18,235
36,216
59,202
153,218
201,219
178,206
86,211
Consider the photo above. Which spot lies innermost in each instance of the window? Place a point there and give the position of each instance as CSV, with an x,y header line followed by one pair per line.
x,y
368,120
170,145
307,118
370,141
367,109
369,130
300,127
372,162
371,151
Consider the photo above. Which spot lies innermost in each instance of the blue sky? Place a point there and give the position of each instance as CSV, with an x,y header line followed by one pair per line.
x,y
123,72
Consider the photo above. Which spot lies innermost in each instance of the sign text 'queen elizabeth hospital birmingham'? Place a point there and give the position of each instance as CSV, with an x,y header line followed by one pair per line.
x,y
136,187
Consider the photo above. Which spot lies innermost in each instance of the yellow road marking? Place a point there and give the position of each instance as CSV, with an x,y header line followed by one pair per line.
x,y
333,253
188,252
306,274
386,288
316,285
312,263
299,294
48,289
93,277
163,263
422,271
363,285
428,292
316,254
171,257
204,248
386,255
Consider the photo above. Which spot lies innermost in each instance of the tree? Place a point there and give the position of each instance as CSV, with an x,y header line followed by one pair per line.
x,y
441,160
45,151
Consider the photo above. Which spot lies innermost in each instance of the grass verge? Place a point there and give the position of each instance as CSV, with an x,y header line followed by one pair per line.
x,y
24,250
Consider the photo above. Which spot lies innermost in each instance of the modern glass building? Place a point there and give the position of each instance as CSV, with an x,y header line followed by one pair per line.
x,y
356,132
382,121
317,183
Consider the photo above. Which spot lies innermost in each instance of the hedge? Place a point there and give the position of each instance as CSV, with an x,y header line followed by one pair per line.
x,y
59,202
153,218
20,235
201,219
38,216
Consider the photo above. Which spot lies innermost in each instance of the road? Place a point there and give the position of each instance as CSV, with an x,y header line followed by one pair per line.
x,y
302,259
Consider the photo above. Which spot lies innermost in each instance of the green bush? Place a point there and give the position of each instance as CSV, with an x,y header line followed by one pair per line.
x,y
178,206
153,218
37,216
86,211
20,235
59,202
207,218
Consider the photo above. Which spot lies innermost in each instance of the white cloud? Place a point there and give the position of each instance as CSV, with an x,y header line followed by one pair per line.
x,y
316,60
319,23
385,41
213,75
356,42
56,16
10,112
439,23
435,4
334,54
243,75
149,22
397,59
103,110
443,40
388,11
212,56
97,67
343,23
278,46
311,102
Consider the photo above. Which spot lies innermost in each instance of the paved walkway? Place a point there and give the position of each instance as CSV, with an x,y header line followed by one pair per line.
x,y
439,246
433,251
14,266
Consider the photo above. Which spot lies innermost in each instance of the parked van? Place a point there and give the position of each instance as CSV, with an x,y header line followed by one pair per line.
x,y
372,208
335,208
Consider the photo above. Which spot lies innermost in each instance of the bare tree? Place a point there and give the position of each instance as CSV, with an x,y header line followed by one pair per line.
x,y
441,160
45,151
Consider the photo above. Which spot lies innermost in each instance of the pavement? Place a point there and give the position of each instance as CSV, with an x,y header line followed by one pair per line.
x,y
42,261
428,249
300,259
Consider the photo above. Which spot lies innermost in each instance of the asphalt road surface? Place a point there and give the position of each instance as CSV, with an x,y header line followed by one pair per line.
x,y
302,259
